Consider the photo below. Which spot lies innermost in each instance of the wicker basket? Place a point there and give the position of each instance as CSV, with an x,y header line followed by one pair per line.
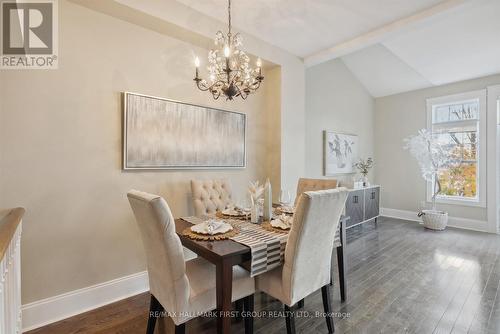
x,y
434,220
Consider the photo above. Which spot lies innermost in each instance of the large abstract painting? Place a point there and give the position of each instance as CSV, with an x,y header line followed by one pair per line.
x,y
340,152
165,134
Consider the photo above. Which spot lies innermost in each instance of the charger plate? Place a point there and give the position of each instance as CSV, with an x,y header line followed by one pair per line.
x,y
266,225
287,211
206,237
219,214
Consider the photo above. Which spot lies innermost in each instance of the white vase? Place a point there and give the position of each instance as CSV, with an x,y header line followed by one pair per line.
x,y
254,212
268,201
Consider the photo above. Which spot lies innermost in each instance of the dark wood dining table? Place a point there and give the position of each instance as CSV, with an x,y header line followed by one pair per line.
x,y
225,254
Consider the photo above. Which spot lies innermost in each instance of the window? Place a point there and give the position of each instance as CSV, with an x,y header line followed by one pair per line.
x,y
459,124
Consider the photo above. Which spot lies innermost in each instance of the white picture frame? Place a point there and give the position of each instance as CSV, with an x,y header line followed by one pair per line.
x,y
340,152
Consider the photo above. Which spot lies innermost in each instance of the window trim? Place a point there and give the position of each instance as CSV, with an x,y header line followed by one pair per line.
x,y
482,142
493,208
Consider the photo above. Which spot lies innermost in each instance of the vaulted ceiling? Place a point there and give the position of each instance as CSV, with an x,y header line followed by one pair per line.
x,y
391,46
304,27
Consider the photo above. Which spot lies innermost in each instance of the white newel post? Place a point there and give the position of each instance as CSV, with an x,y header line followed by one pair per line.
x,y
10,286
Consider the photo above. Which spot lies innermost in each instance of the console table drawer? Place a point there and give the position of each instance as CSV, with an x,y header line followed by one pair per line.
x,y
355,207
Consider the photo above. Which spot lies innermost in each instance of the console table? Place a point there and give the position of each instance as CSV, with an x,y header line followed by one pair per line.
x,y
363,205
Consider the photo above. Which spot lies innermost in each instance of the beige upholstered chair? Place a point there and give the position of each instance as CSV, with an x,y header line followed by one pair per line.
x,y
307,254
182,288
210,196
305,184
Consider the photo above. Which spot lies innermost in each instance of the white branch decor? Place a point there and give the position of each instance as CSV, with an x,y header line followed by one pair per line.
x,y
430,156
256,190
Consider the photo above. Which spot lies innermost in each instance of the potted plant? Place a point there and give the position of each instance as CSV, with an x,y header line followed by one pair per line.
x,y
430,156
364,166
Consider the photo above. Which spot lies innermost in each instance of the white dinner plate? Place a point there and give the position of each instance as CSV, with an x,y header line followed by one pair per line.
x,y
278,223
219,227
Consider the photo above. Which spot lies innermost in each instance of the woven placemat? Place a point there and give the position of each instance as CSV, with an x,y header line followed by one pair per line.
x,y
219,214
278,210
268,227
205,237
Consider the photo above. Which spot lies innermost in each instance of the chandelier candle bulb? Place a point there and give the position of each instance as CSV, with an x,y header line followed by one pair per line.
x,y
227,51
197,64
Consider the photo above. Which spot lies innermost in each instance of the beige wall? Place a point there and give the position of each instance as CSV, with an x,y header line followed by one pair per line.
x,y
272,96
402,115
62,158
189,24
336,101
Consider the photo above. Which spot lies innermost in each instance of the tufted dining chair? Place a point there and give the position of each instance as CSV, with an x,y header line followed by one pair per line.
x,y
306,184
181,288
210,196
306,267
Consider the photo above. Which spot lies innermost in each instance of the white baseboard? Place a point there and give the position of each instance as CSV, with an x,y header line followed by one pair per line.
x,y
463,223
46,311
399,214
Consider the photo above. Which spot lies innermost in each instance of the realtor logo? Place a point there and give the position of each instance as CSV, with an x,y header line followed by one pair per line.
x,y
29,34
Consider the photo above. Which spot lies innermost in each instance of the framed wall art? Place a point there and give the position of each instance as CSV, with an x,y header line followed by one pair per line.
x,y
340,153
160,133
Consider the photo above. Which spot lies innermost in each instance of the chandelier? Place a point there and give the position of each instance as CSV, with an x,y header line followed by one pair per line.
x,y
229,70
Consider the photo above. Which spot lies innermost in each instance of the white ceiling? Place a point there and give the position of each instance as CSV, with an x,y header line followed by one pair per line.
x,y
382,72
304,27
459,44
391,46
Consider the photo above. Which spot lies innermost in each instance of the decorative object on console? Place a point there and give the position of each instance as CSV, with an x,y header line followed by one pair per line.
x,y
340,152
165,134
430,156
364,167
229,69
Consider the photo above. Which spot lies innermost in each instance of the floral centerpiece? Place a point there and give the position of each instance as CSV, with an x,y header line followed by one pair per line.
x,y
256,190
431,157
364,166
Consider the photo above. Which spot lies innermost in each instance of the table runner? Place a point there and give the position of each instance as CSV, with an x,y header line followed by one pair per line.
x,y
267,248
337,242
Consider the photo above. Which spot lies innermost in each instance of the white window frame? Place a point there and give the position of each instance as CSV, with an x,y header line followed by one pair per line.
x,y
493,159
481,158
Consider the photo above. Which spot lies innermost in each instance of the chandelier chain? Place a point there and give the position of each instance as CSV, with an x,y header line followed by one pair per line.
x,y
229,16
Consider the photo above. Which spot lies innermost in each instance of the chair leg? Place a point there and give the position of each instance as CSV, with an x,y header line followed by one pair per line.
x,y
342,273
300,304
180,329
238,305
154,308
290,320
248,306
327,305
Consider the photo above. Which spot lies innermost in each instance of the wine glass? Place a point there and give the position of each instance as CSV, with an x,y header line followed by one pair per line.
x,y
285,198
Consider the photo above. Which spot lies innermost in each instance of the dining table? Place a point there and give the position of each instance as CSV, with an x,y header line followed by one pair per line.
x,y
225,254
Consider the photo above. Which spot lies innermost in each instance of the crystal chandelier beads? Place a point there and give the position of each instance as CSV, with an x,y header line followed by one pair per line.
x,y
230,73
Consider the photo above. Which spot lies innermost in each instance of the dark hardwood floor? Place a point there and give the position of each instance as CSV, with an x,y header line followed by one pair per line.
x,y
401,278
